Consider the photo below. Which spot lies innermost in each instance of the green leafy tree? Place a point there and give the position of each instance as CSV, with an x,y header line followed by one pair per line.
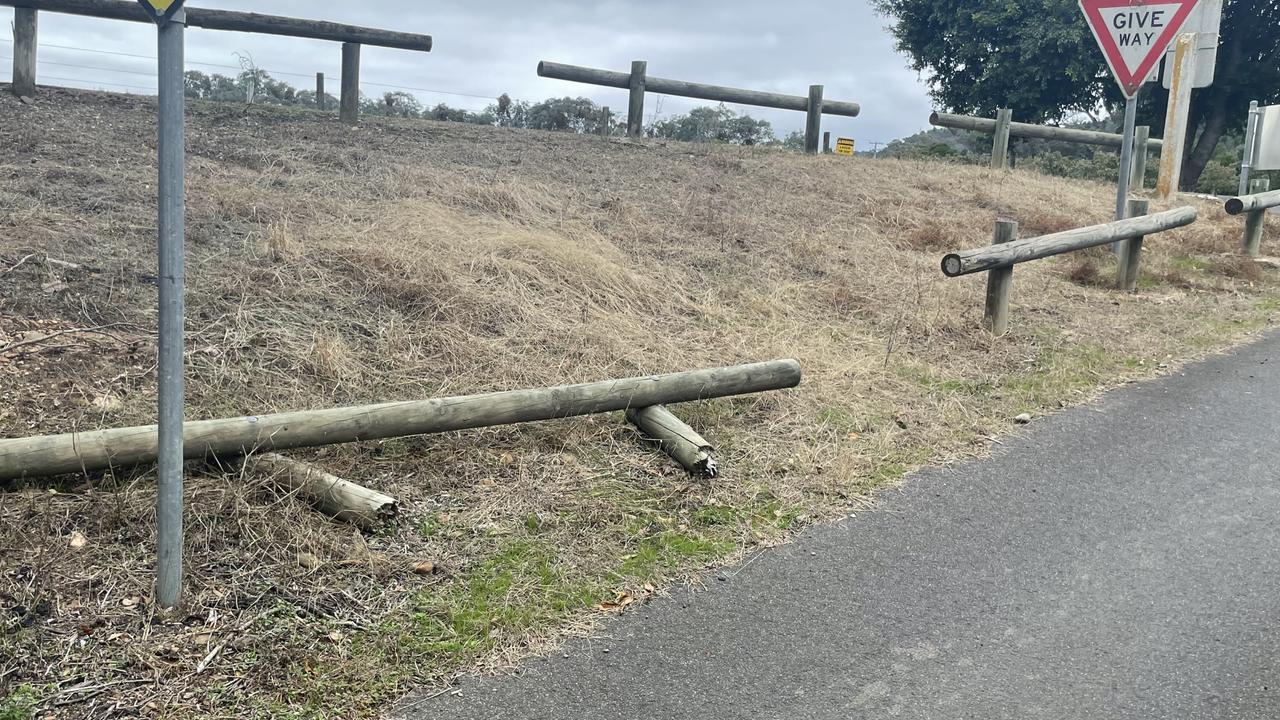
x,y
1039,58
714,124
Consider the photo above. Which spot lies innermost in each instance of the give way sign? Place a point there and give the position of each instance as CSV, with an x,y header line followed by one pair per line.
x,y
1134,34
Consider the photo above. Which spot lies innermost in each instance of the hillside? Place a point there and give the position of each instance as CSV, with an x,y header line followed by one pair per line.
x,y
411,259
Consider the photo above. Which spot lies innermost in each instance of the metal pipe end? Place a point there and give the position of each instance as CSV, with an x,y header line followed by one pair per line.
x,y
541,63
933,118
1235,206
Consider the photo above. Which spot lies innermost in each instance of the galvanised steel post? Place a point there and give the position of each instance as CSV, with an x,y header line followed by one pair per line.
x,y
172,280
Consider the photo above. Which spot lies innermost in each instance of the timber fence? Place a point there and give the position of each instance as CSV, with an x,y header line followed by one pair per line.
x,y
1002,128
352,38
998,259
1254,208
638,82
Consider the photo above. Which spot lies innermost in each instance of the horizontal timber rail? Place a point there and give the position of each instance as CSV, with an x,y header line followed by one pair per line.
x,y
122,447
1007,250
1040,132
1020,251
638,82
352,37
236,21
1251,203
1254,207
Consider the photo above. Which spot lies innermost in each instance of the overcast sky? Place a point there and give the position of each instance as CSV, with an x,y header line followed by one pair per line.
x,y
483,49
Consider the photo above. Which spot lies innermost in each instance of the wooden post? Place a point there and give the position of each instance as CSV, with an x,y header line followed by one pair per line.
x,y
635,108
813,120
676,439
1141,135
999,281
606,127
826,142
1131,249
1175,122
349,111
24,51
339,499
320,91
1000,145
1254,221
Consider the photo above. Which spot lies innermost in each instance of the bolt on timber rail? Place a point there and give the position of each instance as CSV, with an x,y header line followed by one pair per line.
x,y
352,36
638,82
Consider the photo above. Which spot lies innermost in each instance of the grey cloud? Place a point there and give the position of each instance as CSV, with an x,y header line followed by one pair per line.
x,y
487,48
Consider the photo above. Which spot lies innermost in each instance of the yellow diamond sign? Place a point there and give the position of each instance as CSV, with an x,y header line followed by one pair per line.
x,y
161,10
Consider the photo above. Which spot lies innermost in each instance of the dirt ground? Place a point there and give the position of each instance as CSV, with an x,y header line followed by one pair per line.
x,y
410,259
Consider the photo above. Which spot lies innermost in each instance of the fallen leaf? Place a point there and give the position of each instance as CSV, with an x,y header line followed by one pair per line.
x,y
131,601
426,567
77,541
335,636
622,600
308,561
648,587
202,638
507,458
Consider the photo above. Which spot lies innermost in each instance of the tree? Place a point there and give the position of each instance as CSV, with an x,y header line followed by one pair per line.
x,y
1039,58
714,124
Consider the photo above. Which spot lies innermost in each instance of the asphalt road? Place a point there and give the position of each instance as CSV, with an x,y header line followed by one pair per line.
x,y
1116,561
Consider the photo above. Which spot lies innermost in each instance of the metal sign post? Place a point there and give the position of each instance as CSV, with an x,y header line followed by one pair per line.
x,y
172,281
1133,35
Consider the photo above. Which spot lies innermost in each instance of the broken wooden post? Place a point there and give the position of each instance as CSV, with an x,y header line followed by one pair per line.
x,y
339,499
320,91
813,120
606,128
1000,143
1141,136
349,109
675,438
24,51
826,142
119,447
1254,221
999,282
1131,250
635,108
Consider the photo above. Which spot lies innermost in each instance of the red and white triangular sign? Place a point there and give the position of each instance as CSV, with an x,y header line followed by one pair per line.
x,y
1134,34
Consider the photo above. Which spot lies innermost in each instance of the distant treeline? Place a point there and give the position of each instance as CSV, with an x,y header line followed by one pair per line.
x,y
566,114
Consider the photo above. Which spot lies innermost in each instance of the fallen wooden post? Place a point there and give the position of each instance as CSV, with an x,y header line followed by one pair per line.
x,y
102,449
675,438
339,499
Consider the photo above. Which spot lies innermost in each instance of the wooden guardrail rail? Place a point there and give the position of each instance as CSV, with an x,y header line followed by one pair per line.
x,y
638,82
1002,128
999,258
352,36
1254,207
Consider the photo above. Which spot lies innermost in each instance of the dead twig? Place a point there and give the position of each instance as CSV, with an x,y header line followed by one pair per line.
x,y
100,330
18,265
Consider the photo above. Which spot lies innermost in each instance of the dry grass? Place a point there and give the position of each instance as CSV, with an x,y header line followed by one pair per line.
x,y
401,260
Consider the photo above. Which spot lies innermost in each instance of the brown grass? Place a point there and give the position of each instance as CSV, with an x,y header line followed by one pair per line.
x,y
405,259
